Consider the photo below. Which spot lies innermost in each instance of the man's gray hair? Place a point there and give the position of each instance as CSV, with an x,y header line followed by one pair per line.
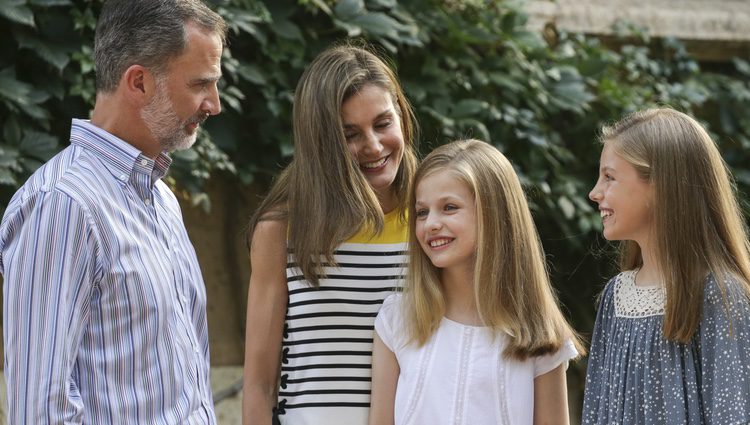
x,y
147,33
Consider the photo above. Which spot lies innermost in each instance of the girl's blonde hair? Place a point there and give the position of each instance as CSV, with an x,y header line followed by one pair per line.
x,y
322,194
511,285
698,227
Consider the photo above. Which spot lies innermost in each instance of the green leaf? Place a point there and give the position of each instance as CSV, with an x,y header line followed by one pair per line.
x,y
506,81
7,177
386,4
475,125
466,108
570,92
12,89
251,73
351,29
17,11
567,207
41,146
8,155
232,96
509,22
243,21
22,95
442,119
378,23
322,6
349,9
12,131
285,28
742,66
187,155
55,55
234,91
83,19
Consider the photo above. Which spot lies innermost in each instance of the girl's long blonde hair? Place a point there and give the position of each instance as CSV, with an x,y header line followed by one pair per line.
x,y
322,194
511,285
698,227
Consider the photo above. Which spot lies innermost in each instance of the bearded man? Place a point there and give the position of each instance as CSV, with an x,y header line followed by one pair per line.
x,y
104,305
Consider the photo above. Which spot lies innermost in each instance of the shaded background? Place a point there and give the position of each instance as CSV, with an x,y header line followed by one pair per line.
x,y
535,78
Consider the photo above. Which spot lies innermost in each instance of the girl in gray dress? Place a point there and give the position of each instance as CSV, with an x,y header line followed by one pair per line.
x,y
671,343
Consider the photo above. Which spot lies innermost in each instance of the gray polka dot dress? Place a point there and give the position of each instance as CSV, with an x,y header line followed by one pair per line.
x,y
635,376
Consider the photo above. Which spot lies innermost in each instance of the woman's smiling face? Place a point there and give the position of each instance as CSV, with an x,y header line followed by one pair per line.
x,y
372,127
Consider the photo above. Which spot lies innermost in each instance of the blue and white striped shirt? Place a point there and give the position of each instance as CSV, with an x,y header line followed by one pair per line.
x,y
104,305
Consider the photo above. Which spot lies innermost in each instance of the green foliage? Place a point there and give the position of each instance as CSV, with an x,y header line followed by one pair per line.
x,y
47,78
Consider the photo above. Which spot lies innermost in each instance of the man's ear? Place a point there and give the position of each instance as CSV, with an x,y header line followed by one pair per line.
x,y
138,84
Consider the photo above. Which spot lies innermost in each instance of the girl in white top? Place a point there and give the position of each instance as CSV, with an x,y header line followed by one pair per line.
x,y
477,337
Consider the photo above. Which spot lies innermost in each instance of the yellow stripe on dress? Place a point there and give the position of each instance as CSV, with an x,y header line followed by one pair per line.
x,y
394,231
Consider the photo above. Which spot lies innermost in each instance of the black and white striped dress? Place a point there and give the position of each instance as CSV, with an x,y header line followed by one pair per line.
x,y
328,331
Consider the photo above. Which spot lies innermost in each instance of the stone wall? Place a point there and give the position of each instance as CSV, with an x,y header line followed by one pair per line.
x,y
219,240
713,30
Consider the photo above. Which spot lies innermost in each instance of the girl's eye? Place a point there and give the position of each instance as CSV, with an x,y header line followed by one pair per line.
x,y
350,136
608,178
450,207
421,213
384,124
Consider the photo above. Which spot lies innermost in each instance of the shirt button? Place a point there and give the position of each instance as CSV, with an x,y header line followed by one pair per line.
x,y
147,201
144,162
184,300
123,177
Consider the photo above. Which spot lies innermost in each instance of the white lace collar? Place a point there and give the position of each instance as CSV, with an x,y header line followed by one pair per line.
x,y
637,301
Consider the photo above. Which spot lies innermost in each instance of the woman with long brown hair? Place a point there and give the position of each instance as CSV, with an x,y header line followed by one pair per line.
x,y
328,243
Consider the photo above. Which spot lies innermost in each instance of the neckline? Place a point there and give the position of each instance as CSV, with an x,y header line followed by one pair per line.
x,y
633,301
464,325
391,215
650,286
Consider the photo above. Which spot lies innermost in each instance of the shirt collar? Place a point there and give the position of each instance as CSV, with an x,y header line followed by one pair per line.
x,y
118,156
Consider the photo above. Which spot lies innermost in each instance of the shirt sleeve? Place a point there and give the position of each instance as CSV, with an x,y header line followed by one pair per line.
x,y
548,362
724,338
384,322
48,253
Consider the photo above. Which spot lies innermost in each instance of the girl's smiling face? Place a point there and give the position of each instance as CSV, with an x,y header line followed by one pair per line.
x,y
624,198
446,220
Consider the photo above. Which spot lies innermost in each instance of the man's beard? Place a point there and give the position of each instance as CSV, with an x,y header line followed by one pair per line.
x,y
164,124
